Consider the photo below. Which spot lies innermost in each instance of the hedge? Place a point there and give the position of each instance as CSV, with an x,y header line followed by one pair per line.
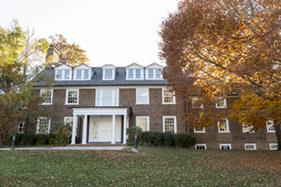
x,y
166,139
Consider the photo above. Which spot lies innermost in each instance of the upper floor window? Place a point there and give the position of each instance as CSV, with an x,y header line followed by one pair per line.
x,y
197,103
72,96
43,125
247,129
168,97
62,74
82,74
142,95
270,126
142,122
47,96
223,126
170,124
199,130
21,127
134,73
221,102
154,73
107,97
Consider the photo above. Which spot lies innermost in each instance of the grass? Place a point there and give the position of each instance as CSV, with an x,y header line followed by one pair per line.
x,y
152,167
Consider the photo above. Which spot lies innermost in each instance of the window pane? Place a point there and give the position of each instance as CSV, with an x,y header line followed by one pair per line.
x,y
222,125
72,96
43,126
66,74
138,73
86,74
21,126
158,73
130,73
59,74
142,122
47,96
78,74
150,73
142,96
169,125
68,121
107,99
168,96
108,73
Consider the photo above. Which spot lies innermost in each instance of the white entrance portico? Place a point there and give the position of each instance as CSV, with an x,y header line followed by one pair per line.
x,y
100,124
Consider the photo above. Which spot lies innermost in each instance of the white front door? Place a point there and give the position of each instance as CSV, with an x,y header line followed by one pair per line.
x,y
101,129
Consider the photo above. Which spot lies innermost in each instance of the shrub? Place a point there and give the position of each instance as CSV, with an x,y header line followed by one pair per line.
x,y
61,135
168,139
132,132
31,139
182,140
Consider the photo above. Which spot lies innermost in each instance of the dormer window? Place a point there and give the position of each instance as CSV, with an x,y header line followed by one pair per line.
x,y
108,72
134,72
154,72
82,72
63,72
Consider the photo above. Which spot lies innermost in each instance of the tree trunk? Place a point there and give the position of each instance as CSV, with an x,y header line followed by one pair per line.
x,y
185,105
278,134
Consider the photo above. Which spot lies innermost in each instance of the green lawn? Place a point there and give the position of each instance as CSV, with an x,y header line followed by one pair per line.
x,y
152,167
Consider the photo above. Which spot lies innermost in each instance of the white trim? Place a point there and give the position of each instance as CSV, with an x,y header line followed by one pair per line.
x,y
82,73
45,90
270,123
148,121
66,96
102,86
22,127
37,125
227,126
248,129
146,89
224,100
63,67
175,122
272,146
199,131
114,94
153,73
112,71
224,144
99,111
204,145
163,100
250,144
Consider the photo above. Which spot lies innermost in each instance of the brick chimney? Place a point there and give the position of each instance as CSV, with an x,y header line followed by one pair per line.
x,y
52,56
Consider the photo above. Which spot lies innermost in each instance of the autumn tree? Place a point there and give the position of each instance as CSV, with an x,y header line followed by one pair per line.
x,y
71,53
228,46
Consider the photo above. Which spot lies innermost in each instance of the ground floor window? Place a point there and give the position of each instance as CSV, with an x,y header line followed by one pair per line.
x,y
200,146
68,121
248,129
43,125
273,146
225,146
169,124
142,122
223,126
270,126
250,146
21,127
199,130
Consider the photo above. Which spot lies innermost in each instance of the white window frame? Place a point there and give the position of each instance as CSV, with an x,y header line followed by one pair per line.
x,y
199,131
163,97
250,149
227,126
197,145
224,100
148,98
268,130
270,145
21,132
224,144
112,74
66,96
134,73
49,124
154,73
66,118
63,68
196,99
42,91
175,123
148,121
82,74
115,96
244,127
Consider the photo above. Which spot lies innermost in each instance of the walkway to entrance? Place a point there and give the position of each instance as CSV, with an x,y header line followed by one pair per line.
x,y
69,148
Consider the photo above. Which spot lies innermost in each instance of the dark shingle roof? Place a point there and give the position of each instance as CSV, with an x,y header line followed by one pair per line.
x,y
96,79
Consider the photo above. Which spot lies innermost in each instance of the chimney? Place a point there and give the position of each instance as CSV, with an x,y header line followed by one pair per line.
x,y
52,55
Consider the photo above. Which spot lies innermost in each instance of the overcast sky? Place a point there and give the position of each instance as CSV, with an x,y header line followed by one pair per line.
x,y
118,32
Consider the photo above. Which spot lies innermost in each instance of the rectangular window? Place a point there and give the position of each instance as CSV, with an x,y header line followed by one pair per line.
x,y
107,97
248,129
142,96
169,124
197,103
68,121
142,122
225,147
221,102
150,73
86,74
43,125
273,146
130,73
223,126
108,74
168,97
59,74
200,146
250,146
199,130
72,96
138,73
21,127
82,74
66,74
134,73
158,73
47,96
79,74
270,126
62,74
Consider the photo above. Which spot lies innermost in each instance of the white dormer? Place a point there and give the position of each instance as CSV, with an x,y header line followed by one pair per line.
x,y
108,72
154,72
63,72
134,72
82,72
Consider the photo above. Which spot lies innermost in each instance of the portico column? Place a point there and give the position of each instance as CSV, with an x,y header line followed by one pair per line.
x,y
74,127
113,129
125,129
84,136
